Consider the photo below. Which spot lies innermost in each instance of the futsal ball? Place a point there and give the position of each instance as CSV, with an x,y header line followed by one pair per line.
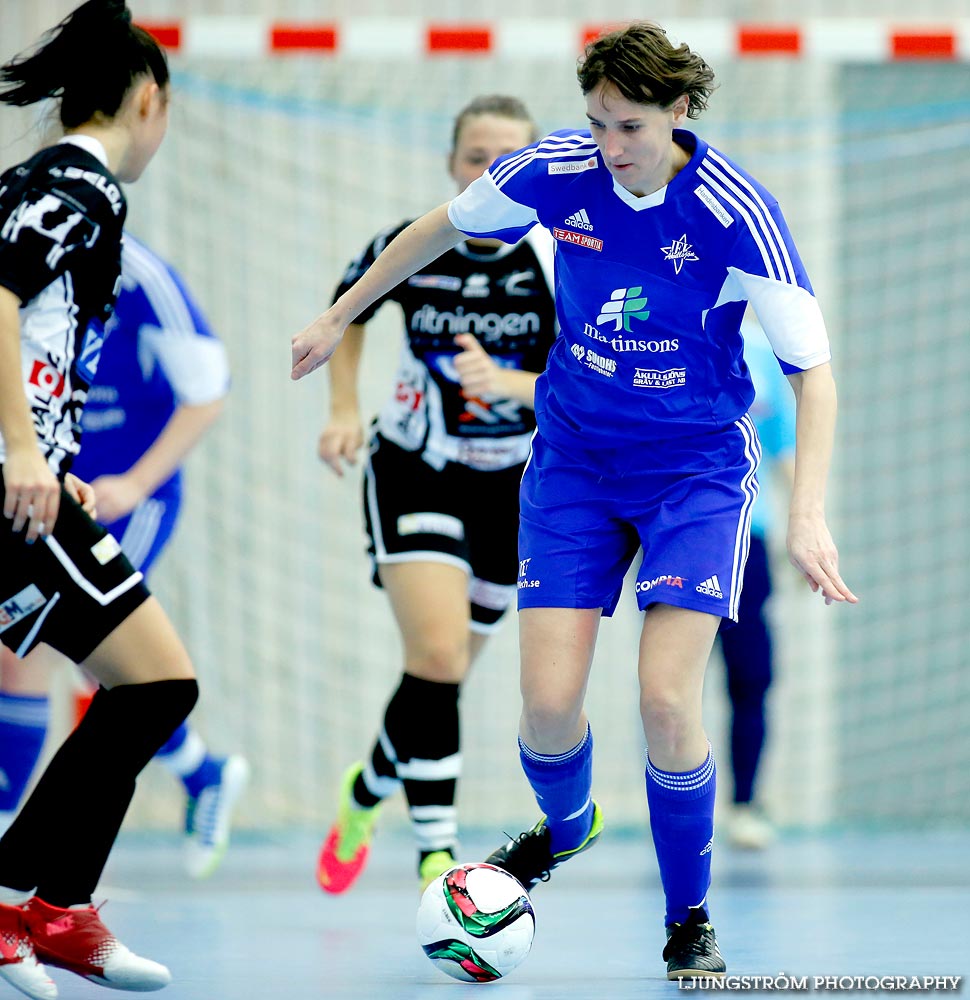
x,y
476,923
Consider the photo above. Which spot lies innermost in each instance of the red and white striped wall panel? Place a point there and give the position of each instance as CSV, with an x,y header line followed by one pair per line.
x,y
832,39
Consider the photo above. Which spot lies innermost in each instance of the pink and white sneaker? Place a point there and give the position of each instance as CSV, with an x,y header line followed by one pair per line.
x,y
18,960
75,939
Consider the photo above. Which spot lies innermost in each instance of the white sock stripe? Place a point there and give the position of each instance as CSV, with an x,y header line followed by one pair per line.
x,y
683,781
435,830
437,842
18,711
417,769
379,785
579,812
556,758
387,746
424,814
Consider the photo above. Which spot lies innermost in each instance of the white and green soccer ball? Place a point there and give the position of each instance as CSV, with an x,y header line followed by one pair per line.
x,y
476,923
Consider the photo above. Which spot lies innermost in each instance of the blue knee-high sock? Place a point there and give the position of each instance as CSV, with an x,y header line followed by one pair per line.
x,y
23,729
682,821
185,755
562,784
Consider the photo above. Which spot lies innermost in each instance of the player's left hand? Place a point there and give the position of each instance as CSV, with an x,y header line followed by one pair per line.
x,y
117,496
83,493
813,553
478,373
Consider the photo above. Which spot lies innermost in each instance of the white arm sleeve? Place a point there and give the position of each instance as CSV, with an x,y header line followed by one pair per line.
x,y
483,209
790,316
196,366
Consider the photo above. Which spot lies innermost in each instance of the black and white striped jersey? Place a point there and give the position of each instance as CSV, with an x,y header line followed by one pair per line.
x,y
502,295
61,219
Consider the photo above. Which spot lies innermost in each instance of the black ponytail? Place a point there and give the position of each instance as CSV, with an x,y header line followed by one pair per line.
x,y
89,61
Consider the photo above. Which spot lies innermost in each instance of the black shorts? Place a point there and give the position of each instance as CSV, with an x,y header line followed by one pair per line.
x,y
70,590
461,516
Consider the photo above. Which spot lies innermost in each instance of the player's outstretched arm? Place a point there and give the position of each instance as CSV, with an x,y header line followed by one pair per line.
x,y
810,545
424,240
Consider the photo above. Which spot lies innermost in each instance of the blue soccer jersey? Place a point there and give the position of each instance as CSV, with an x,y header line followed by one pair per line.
x,y
159,353
650,290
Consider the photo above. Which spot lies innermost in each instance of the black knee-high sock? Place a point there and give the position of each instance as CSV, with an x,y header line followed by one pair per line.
x,y
419,746
61,840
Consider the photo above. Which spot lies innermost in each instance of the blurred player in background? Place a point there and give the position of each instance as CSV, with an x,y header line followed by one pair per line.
x,y
441,490
643,439
747,647
64,581
161,382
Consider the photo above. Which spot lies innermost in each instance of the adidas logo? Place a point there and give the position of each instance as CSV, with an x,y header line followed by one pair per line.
x,y
580,220
711,586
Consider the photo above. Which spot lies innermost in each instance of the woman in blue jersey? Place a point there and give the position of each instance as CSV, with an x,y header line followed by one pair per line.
x,y
644,440
441,491
161,382
63,580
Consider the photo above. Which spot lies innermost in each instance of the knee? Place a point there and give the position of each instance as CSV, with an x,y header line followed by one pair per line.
x,y
186,698
669,721
550,720
439,657
139,717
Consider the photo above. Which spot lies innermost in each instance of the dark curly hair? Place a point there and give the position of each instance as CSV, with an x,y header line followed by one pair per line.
x,y
640,61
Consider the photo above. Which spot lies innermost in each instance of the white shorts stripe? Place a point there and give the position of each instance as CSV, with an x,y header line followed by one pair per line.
x,y
374,511
430,555
749,485
142,530
25,645
85,584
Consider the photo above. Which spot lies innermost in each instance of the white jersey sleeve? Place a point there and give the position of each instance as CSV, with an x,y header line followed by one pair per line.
x,y
791,318
172,331
196,367
483,210
765,268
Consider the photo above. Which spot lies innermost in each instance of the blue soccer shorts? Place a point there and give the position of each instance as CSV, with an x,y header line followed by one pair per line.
x,y
687,504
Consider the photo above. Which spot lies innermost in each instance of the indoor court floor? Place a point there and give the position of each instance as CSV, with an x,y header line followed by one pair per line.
x,y
859,904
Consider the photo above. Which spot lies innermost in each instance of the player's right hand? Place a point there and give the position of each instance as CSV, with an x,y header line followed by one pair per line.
x,y
314,344
340,441
33,492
